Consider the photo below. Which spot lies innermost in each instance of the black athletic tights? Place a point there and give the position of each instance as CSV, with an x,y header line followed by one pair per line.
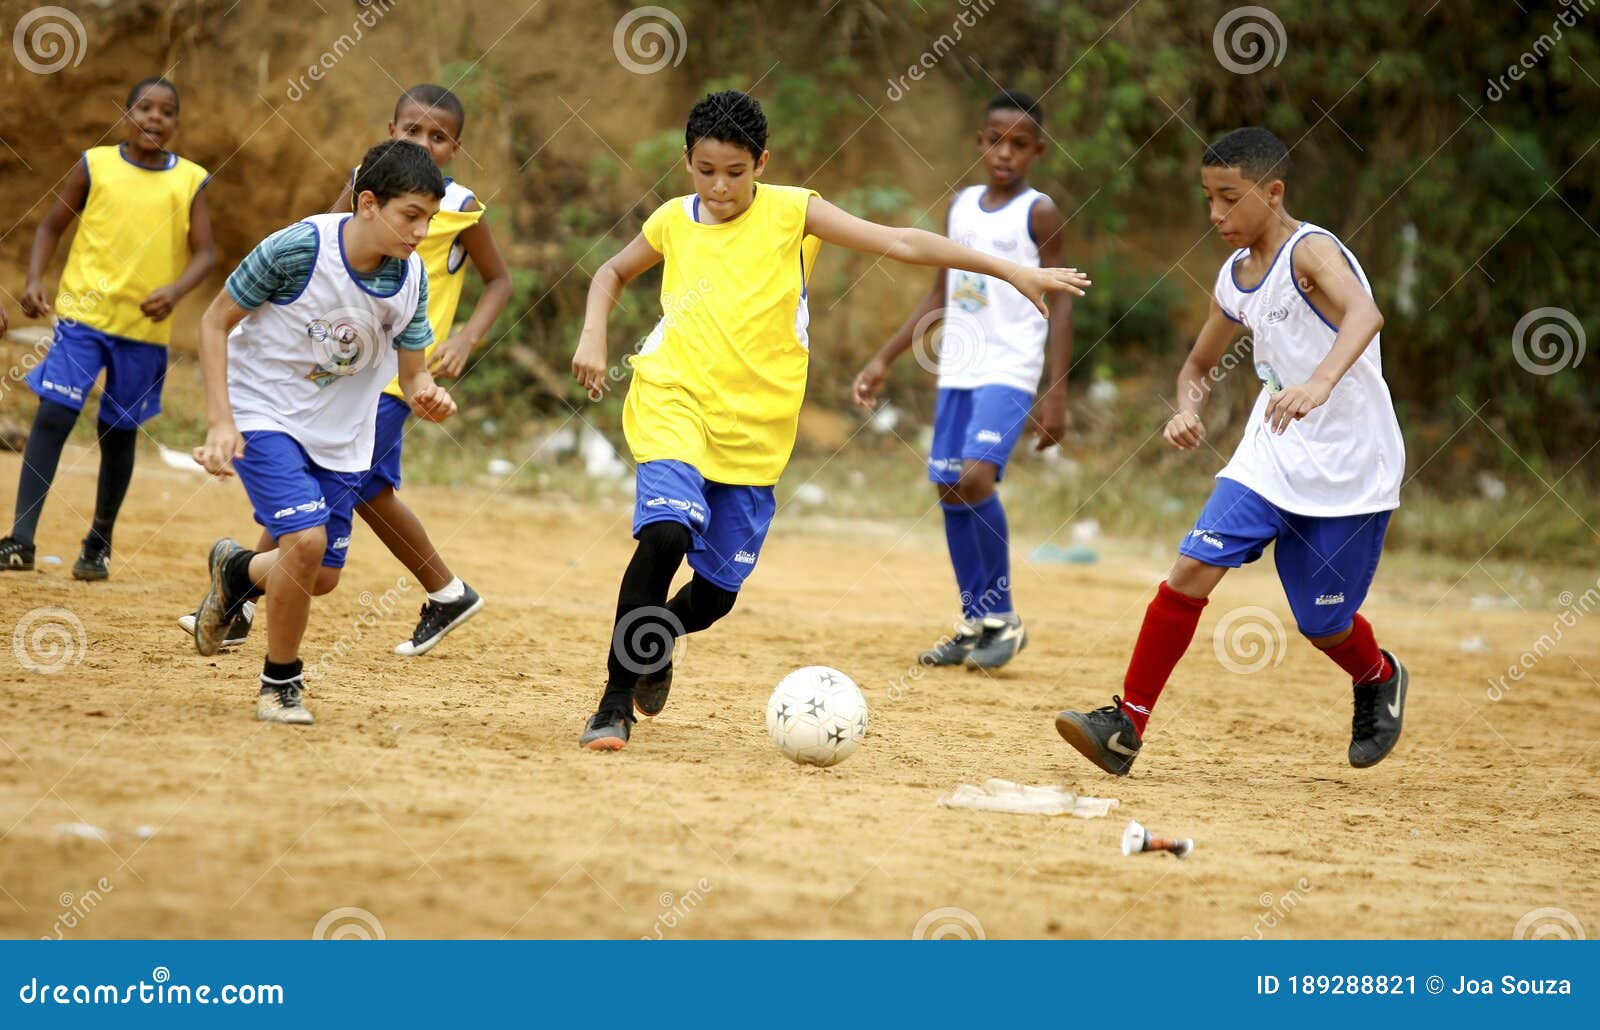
x,y
647,623
51,427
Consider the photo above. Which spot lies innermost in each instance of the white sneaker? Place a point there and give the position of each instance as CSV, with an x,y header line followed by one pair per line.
x,y
281,703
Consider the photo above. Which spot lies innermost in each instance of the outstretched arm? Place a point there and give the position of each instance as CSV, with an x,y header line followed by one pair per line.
x,y
920,247
1184,430
589,362
1046,224
1320,259
68,203
223,441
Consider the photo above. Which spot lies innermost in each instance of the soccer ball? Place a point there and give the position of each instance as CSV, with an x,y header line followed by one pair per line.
x,y
817,716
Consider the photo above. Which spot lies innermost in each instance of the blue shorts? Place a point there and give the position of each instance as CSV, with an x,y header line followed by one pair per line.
x,y
729,523
135,372
981,424
1325,564
290,492
385,470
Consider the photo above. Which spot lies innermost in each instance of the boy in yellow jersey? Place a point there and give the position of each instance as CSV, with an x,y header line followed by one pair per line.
x,y
715,400
431,117
143,242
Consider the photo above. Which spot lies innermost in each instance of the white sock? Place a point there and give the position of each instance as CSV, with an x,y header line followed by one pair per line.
x,y
449,593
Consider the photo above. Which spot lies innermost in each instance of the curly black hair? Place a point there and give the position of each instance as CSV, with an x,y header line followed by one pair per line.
x,y
1016,100
1258,154
730,117
429,95
395,167
144,84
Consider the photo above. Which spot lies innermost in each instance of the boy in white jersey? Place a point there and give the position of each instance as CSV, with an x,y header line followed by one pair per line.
x,y
294,351
431,117
1318,471
991,359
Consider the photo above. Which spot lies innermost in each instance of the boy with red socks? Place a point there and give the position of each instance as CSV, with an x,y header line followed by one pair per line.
x,y
1318,470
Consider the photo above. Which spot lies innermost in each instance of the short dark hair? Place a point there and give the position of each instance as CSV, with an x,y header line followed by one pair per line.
x,y
429,95
1257,153
144,84
395,167
1016,100
730,117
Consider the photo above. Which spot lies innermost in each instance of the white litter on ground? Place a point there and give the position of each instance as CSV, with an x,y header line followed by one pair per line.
x,y
179,460
1022,799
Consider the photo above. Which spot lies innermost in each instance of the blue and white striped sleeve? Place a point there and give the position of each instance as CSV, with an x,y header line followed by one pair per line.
x,y
277,269
419,333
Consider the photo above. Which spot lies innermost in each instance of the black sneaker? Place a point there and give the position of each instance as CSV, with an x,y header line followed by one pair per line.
x,y
607,730
953,649
435,620
238,626
650,691
211,618
1104,736
1379,709
1002,640
281,702
15,556
94,561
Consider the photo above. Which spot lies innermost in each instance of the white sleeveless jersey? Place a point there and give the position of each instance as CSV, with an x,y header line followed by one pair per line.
x,y
1346,457
313,367
992,334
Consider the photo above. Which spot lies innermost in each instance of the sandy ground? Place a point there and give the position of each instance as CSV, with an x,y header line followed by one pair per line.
x,y
446,797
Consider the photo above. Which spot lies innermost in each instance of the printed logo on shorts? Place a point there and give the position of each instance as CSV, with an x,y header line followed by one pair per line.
x,y
283,513
311,506
745,558
341,544
1327,599
1215,542
989,436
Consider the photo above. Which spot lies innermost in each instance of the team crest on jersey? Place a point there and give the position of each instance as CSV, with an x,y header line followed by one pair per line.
x,y
971,292
340,349
456,258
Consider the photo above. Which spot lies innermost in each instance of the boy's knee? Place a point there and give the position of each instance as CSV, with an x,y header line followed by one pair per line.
x,y
1322,643
712,602
666,537
327,579
1193,577
303,550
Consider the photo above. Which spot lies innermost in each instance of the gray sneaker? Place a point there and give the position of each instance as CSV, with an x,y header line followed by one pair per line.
x,y
1379,710
607,730
211,618
238,627
280,702
953,649
1104,736
1003,638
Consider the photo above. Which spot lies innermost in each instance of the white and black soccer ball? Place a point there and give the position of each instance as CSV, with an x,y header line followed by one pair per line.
x,y
817,716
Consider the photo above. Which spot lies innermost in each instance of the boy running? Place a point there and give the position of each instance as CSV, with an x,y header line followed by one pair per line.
x,y
294,350
143,243
431,117
1317,473
715,400
993,356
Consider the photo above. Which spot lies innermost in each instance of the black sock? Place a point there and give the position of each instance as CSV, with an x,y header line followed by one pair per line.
x,y
277,673
643,625
236,580
117,447
700,603
51,426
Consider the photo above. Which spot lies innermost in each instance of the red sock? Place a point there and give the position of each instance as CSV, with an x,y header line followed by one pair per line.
x,y
1169,625
1359,655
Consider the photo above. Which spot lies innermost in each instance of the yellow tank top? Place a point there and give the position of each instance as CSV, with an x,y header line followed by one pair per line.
x,y
720,381
446,261
133,236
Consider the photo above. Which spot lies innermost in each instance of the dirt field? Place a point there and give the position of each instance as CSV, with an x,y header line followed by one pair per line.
x,y
446,795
